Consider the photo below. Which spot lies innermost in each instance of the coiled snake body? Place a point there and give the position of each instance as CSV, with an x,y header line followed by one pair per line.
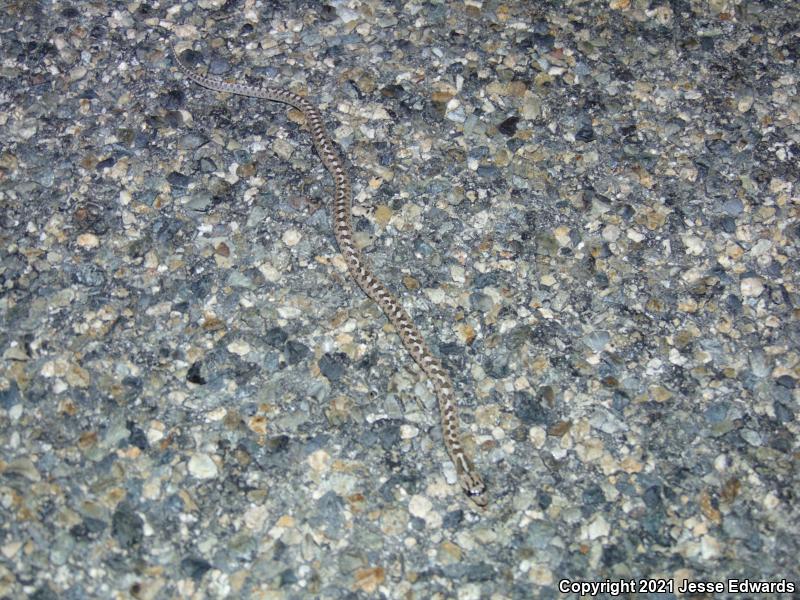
x,y
468,477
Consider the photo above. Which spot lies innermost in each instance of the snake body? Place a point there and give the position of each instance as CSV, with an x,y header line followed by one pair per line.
x,y
468,477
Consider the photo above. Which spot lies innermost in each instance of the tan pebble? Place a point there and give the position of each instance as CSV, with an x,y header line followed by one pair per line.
x,y
441,97
630,465
744,104
223,249
449,552
608,463
559,428
383,215
487,415
10,549
410,283
734,250
589,450
503,158
547,280
540,575
88,240
660,393
78,376
87,440
561,235
285,521
707,508
466,333
654,219
368,579
258,424
246,170
212,323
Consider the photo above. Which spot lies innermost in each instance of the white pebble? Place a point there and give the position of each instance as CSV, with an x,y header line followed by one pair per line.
x,y
202,466
408,431
751,287
694,245
291,237
598,528
239,348
420,506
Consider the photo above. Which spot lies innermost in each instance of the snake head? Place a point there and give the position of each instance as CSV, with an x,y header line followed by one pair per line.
x,y
474,488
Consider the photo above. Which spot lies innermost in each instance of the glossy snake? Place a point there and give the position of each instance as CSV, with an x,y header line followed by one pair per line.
x,y
468,477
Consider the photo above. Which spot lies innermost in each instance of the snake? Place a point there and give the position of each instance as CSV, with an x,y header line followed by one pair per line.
x,y
468,477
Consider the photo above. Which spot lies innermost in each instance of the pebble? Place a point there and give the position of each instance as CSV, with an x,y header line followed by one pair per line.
x,y
598,528
203,466
239,347
88,240
420,506
751,287
291,237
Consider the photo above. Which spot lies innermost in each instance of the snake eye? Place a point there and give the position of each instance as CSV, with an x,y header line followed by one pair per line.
x,y
479,498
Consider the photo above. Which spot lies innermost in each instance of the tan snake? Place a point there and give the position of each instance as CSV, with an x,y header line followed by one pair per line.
x,y
468,477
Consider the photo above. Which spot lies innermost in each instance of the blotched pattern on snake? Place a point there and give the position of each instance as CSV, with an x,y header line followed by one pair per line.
x,y
468,477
